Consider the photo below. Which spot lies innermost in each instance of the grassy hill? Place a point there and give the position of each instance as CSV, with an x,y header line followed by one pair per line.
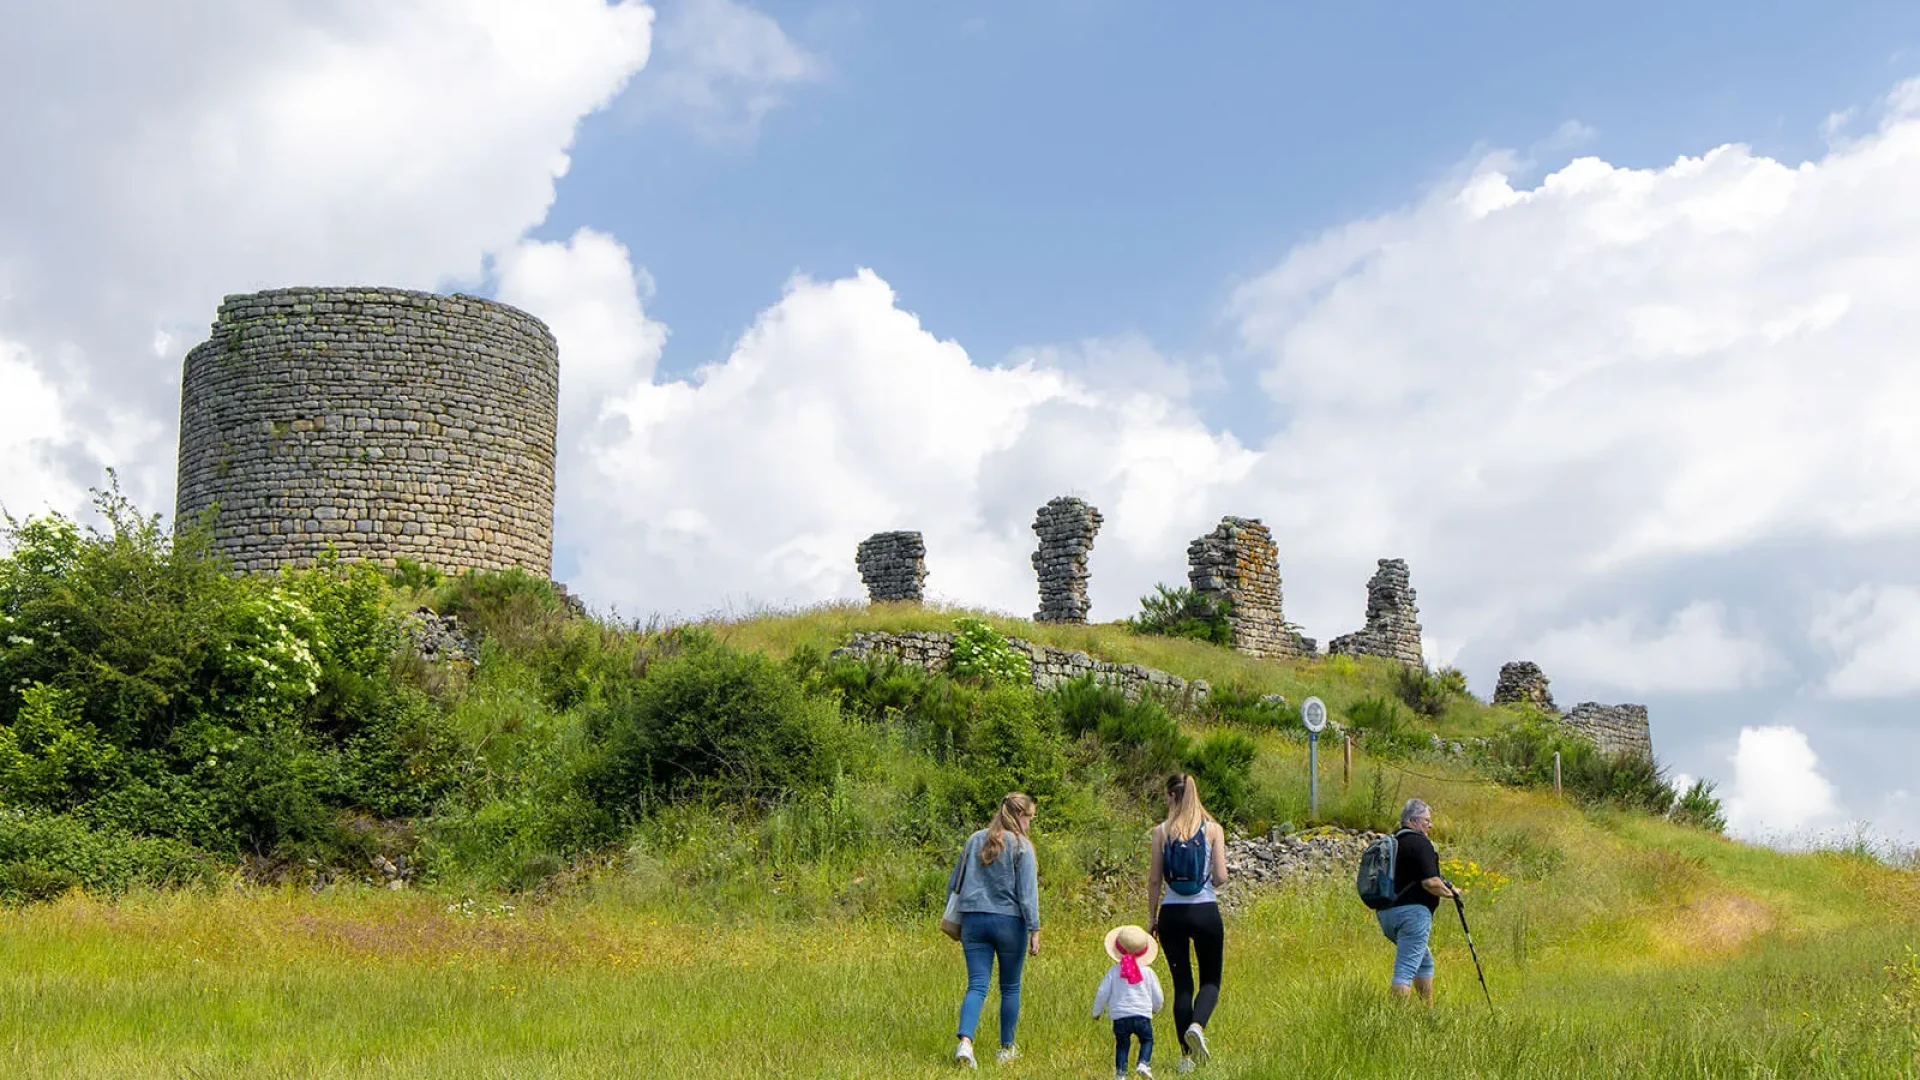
x,y
705,852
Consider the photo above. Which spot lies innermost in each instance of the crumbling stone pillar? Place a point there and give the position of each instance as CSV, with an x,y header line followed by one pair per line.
x,y
1393,622
1523,683
1239,562
1066,527
893,565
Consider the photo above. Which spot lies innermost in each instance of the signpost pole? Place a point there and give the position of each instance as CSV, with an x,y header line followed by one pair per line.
x,y
1313,773
1346,764
1313,714
1556,773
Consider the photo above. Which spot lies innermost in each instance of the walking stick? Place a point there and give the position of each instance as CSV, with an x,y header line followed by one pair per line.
x,y
1461,907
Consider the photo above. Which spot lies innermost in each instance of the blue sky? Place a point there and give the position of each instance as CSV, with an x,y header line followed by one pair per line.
x,y
1025,173
1602,320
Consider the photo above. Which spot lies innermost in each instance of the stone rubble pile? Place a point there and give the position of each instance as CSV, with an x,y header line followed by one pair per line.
x,y
1239,562
1393,621
893,566
1066,527
439,637
1260,862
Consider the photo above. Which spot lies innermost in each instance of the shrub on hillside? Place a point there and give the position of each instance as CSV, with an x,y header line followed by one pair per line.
x,y
1698,808
981,653
1222,764
40,851
517,614
1012,744
715,723
1140,737
1426,693
1250,709
1181,612
1379,725
1522,753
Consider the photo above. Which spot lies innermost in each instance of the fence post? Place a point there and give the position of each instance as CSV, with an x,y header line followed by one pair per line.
x,y
1346,764
1556,773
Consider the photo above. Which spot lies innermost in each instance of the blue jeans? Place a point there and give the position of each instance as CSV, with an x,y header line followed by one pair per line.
x,y
1139,1027
1408,927
983,936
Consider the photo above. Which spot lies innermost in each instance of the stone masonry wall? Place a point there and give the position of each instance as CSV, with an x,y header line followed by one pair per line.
x,y
387,423
1238,561
893,566
1393,621
1522,682
1051,666
1066,527
1615,729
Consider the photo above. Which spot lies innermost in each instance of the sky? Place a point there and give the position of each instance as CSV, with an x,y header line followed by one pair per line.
x,y
1596,319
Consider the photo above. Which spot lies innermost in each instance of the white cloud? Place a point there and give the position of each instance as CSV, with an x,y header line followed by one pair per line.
x,y
836,416
31,422
723,66
1875,634
183,151
1524,391
1694,652
1778,789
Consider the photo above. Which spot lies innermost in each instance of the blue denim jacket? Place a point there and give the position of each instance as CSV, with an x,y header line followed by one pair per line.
x,y
1009,885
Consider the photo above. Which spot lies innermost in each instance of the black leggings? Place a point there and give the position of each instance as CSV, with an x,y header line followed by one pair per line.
x,y
1200,925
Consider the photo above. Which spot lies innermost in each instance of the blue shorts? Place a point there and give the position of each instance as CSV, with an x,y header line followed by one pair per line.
x,y
1408,927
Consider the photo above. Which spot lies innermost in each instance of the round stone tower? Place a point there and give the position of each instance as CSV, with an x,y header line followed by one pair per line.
x,y
389,424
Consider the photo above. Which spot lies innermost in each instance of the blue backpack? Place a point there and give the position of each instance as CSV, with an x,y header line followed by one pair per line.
x,y
1185,864
1375,880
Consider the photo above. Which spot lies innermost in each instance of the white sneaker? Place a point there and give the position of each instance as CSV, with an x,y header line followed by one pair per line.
x,y
1197,1042
1006,1054
1186,1065
963,1057
1143,1070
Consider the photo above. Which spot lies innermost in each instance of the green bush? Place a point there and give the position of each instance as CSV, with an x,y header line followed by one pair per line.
x,y
1379,725
979,652
25,883
1249,709
1222,764
1012,744
102,860
1698,808
1181,612
1424,693
1522,753
1140,737
719,724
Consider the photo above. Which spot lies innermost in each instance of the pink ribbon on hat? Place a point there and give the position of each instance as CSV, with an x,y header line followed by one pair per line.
x,y
1129,967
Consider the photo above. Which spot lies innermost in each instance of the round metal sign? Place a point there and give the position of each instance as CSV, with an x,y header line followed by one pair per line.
x,y
1313,713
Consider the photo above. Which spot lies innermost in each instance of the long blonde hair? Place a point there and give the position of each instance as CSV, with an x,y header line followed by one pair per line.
x,y
1008,819
1185,816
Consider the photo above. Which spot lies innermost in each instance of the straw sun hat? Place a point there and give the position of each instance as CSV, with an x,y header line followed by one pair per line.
x,y
1134,939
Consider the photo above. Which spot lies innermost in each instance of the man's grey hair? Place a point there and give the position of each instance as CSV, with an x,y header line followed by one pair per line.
x,y
1414,809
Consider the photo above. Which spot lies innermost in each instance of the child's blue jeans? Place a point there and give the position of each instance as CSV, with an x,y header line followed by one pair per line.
x,y
1139,1027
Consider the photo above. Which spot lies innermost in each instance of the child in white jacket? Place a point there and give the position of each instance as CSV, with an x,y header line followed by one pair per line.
x,y
1130,993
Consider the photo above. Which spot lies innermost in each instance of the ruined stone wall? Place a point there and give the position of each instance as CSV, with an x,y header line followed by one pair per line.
x,y
1051,666
1066,528
1615,729
386,423
1238,561
1392,628
893,566
1522,682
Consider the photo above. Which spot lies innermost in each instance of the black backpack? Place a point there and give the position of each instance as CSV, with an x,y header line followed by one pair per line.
x,y
1185,864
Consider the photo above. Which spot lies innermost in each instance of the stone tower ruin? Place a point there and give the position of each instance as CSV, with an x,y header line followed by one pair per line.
x,y
385,423
1615,729
1239,562
1522,682
1392,628
893,566
1066,527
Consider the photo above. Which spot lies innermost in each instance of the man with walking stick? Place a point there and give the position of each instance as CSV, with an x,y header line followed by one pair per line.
x,y
1417,888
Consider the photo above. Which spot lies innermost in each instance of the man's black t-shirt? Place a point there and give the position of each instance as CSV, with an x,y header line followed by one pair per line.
x,y
1415,863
